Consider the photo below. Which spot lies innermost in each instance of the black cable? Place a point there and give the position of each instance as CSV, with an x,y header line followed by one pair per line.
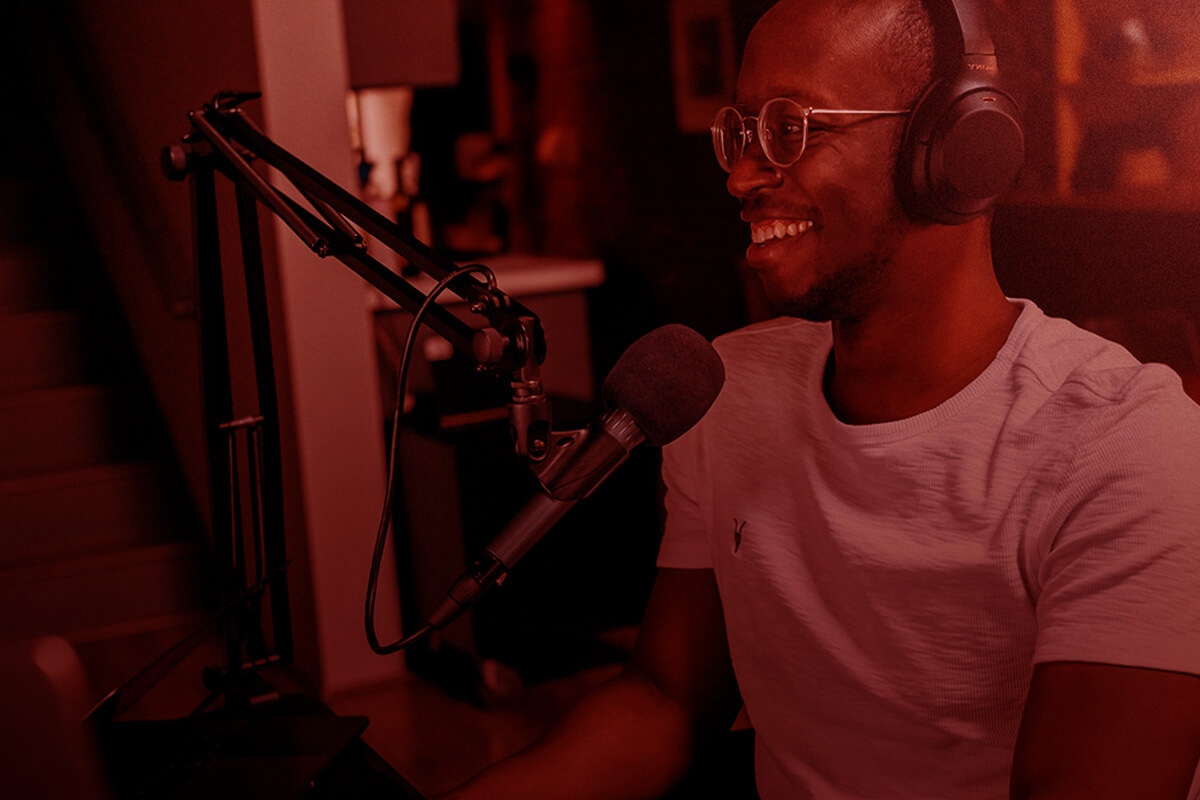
x,y
398,410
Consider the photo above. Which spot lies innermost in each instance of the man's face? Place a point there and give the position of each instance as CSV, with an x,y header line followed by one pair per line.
x,y
836,207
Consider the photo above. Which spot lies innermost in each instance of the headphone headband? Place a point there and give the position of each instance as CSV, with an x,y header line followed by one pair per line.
x,y
972,29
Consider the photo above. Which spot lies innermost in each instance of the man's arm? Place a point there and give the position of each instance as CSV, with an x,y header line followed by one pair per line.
x,y
635,736
1097,731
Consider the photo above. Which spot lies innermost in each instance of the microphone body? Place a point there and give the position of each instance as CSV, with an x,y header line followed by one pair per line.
x,y
604,447
659,388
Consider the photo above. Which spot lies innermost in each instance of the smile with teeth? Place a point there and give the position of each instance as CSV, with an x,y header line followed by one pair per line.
x,y
767,230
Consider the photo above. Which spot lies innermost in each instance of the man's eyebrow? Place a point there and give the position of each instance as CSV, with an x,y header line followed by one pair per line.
x,y
801,98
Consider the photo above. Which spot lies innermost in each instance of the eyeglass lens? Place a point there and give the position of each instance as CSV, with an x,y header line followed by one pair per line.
x,y
782,130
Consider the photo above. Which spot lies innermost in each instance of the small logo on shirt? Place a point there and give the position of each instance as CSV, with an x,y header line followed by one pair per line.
x,y
738,527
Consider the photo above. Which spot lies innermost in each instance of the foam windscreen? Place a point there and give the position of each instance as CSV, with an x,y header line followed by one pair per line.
x,y
666,380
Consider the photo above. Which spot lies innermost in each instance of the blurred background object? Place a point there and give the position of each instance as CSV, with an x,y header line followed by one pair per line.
x,y
47,753
1130,71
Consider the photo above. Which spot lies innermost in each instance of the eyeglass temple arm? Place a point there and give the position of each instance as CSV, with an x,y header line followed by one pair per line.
x,y
862,111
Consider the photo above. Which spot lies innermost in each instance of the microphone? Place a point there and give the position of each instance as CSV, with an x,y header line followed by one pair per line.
x,y
658,389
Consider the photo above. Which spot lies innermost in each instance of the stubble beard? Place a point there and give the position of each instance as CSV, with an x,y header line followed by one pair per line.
x,y
850,291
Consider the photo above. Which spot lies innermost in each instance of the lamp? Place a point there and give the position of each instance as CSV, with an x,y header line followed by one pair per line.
x,y
393,47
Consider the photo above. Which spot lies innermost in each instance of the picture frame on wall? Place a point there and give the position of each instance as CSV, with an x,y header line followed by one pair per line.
x,y
703,61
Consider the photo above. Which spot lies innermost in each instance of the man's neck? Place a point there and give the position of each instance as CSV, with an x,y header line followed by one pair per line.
x,y
934,335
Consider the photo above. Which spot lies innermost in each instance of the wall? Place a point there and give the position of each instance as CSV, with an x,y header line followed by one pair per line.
x,y
328,333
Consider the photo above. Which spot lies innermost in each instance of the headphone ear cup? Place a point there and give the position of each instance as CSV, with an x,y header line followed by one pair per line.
x,y
962,150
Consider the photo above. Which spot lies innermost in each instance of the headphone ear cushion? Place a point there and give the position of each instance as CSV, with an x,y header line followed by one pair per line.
x,y
962,150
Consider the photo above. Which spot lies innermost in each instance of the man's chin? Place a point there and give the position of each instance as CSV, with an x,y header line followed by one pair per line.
x,y
810,305
800,310
845,296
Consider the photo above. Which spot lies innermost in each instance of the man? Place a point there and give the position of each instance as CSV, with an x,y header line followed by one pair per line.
x,y
940,545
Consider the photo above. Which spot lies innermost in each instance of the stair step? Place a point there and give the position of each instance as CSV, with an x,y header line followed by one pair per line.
x,y
30,279
21,208
89,512
110,663
69,428
43,350
107,596
120,611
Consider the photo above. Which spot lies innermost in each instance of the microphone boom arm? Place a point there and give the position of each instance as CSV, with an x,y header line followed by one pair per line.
x,y
513,340
223,139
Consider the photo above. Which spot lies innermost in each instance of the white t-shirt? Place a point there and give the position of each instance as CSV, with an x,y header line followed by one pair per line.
x,y
888,588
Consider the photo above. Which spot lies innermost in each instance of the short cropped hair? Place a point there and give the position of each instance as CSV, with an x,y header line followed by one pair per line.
x,y
921,41
910,48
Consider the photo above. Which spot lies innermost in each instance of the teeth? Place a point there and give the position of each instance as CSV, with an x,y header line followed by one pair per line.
x,y
764,231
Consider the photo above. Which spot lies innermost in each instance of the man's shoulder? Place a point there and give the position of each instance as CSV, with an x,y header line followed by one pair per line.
x,y
1085,376
1062,356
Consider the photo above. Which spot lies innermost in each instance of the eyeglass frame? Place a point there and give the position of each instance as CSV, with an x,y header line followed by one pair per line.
x,y
806,111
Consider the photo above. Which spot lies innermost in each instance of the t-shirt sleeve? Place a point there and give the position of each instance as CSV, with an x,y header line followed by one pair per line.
x,y
1119,576
685,538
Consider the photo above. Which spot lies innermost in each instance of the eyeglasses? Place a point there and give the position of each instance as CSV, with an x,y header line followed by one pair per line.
x,y
782,128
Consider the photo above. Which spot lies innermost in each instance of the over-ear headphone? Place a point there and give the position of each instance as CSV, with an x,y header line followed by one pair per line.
x,y
964,143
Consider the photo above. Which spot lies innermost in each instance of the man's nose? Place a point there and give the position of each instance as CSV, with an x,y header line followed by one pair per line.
x,y
751,172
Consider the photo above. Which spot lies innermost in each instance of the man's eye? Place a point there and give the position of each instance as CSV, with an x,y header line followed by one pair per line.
x,y
791,129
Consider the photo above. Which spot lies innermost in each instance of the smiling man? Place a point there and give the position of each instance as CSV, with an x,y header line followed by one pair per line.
x,y
938,544
819,243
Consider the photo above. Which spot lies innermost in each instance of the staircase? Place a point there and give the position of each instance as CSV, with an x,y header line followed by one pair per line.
x,y
100,543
